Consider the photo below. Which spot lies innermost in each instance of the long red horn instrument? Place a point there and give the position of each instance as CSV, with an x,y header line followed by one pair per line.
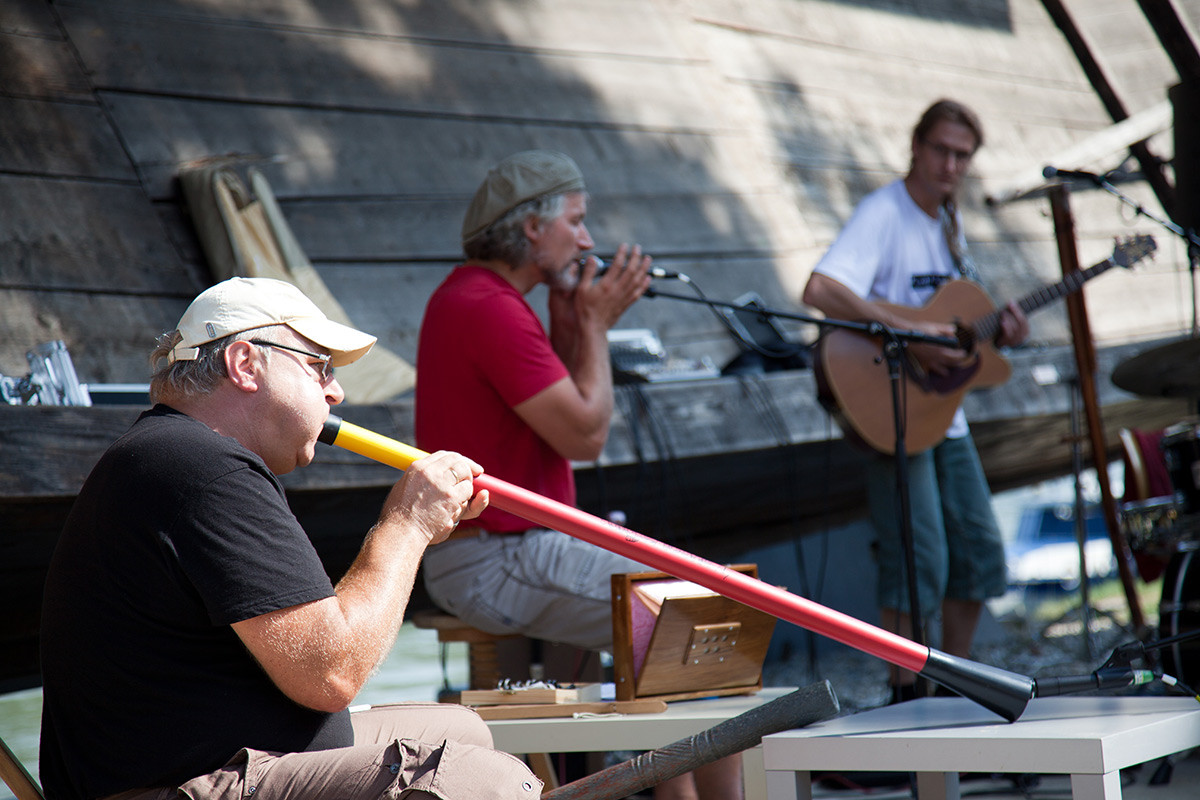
x,y
1005,693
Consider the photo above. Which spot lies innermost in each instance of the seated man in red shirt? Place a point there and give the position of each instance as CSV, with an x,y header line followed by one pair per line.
x,y
523,403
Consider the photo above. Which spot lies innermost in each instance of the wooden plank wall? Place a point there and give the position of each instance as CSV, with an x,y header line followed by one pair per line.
x,y
82,255
732,139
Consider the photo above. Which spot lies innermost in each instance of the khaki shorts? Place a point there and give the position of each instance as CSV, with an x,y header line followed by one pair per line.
x,y
411,750
957,546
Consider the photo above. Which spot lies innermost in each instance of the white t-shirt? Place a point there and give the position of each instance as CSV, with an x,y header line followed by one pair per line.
x,y
891,250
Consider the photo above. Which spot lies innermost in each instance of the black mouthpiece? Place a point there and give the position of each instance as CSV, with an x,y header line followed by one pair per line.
x,y
329,433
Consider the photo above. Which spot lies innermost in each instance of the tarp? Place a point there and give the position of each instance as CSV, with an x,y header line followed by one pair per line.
x,y
244,233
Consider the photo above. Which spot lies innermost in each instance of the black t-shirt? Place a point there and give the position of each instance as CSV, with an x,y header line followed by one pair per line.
x,y
177,533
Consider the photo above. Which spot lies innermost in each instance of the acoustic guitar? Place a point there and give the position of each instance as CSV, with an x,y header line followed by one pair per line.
x,y
852,375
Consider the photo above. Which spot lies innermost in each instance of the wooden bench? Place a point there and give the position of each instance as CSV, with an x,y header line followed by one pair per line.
x,y
16,777
483,660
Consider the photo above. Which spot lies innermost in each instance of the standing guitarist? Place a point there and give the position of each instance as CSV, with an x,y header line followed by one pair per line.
x,y
902,242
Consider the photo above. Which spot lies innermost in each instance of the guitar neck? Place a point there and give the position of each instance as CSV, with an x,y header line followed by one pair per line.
x,y
988,326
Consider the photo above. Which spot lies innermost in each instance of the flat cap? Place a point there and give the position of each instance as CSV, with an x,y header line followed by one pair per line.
x,y
520,177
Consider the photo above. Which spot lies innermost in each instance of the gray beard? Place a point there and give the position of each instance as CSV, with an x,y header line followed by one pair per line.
x,y
564,278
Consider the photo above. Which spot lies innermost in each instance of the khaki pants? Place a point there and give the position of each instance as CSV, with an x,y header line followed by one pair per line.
x,y
422,751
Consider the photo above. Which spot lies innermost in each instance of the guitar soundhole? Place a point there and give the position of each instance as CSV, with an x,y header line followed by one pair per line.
x,y
966,338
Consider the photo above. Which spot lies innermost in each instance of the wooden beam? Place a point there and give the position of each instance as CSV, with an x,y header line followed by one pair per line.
x,y
1089,153
1175,38
1152,166
1085,361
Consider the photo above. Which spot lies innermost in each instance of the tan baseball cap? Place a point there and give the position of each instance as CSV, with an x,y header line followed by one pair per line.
x,y
242,304
518,178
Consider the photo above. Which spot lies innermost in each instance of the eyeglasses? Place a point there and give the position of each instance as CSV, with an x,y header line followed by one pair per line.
x,y
326,368
943,152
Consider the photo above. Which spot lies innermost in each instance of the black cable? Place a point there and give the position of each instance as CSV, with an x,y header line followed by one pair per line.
x,y
638,399
792,463
601,489
823,559
628,394
643,419
668,464
749,344
902,430
445,664
753,388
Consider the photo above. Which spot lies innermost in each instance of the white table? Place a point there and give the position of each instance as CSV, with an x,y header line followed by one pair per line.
x,y
1090,738
682,719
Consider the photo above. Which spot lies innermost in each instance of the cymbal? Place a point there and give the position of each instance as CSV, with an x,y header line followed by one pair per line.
x,y
1170,370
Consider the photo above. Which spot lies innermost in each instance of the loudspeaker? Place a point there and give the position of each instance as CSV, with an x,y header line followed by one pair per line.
x,y
1185,100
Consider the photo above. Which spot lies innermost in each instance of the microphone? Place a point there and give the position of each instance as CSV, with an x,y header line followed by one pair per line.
x,y
654,272
1055,172
1104,678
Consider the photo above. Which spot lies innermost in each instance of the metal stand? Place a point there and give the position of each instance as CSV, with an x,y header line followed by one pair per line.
x,y
1193,249
1189,235
894,352
893,348
1085,604
51,380
1085,609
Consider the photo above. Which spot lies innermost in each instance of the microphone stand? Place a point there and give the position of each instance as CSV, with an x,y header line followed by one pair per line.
x,y
1118,671
1189,236
893,347
1080,518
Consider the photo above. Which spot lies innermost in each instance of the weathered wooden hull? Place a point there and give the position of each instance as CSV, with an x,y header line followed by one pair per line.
x,y
716,467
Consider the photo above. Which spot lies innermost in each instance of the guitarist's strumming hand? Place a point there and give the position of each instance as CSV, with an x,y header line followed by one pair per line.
x,y
1014,326
934,359
1013,329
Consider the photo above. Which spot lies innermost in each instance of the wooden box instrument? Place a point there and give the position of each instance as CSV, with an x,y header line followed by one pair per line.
x,y
676,640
